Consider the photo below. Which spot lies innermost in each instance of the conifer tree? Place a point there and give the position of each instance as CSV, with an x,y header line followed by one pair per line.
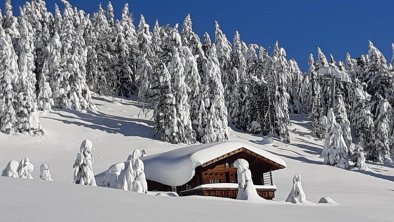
x,y
100,56
383,118
335,151
237,72
123,65
180,92
216,118
10,24
223,48
164,109
54,70
26,104
44,100
295,87
281,73
193,82
363,119
342,119
8,74
110,15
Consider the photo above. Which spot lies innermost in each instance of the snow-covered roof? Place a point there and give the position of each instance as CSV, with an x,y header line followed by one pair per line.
x,y
177,167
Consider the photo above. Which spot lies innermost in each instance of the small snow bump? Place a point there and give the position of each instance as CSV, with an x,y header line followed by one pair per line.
x,y
327,200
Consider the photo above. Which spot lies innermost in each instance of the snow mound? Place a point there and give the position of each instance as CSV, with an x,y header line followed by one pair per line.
x,y
327,200
167,194
297,194
11,170
177,167
267,140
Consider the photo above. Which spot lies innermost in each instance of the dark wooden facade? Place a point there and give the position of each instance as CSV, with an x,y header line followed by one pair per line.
x,y
220,170
266,193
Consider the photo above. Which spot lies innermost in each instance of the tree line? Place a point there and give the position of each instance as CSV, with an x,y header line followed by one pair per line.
x,y
195,87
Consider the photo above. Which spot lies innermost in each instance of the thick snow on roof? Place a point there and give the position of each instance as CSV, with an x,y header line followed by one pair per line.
x,y
177,167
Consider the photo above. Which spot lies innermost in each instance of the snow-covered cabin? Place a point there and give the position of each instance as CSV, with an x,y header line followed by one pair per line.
x,y
207,169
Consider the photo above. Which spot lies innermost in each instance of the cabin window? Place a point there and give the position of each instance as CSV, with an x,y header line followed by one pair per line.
x,y
214,181
227,165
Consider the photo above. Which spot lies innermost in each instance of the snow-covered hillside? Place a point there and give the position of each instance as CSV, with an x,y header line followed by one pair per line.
x,y
117,129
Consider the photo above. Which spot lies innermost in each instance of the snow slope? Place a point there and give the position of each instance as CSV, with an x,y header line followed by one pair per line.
x,y
117,129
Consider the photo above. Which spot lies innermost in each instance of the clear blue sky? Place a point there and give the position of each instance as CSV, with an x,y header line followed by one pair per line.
x,y
337,26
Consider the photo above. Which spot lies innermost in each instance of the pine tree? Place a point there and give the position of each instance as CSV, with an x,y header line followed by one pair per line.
x,y
383,130
123,65
193,82
54,70
223,48
145,59
342,120
57,20
378,76
216,118
335,151
363,119
127,83
295,87
100,57
180,92
26,104
165,110
110,15
281,73
37,15
45,101
238,71
8,74
10,24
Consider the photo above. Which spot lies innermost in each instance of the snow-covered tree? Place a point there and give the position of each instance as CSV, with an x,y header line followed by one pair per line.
x,y
281,73
45,174
165,110
10,24
8,74
335,152
145,67
193,82
11,170
215,129
100,56
223,48
297,194
180,91
359,156
342,119
246,188
26,104
110,15
295,86
83,165
383,130
123,64
238,71
74,59
25,169
319,119
36,13
127,50
44,100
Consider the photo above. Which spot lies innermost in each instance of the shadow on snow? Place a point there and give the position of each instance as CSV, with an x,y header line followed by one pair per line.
x,y
107,123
